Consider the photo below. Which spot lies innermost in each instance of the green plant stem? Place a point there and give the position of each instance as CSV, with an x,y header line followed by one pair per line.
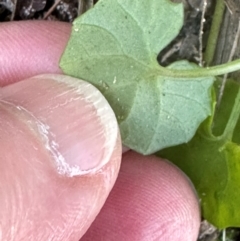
x,y
214,32
200,72
233,119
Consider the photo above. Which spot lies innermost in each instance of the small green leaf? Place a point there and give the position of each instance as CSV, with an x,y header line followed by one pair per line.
x,y
115,46
212,161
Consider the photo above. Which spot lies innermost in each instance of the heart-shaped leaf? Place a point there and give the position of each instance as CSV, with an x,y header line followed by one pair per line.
x,y
115,46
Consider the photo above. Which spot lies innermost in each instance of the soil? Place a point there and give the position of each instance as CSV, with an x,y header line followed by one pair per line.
x,y
186,45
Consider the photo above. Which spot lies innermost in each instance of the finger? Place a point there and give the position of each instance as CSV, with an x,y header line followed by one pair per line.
x,y
151,200
60,155
29,48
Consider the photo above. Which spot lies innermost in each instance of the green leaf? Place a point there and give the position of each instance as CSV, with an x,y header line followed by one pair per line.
x,y
212,161
115,46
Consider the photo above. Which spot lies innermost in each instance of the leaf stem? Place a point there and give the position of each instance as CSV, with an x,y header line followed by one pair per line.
x,y
233,119
214,32
201,72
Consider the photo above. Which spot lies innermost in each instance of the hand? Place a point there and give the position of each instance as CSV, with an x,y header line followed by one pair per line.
x,y
48,126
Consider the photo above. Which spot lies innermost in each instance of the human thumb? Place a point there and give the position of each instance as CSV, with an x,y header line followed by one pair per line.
x,y
60,155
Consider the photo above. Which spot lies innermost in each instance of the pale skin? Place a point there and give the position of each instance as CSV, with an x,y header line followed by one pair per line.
x,y
151,199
